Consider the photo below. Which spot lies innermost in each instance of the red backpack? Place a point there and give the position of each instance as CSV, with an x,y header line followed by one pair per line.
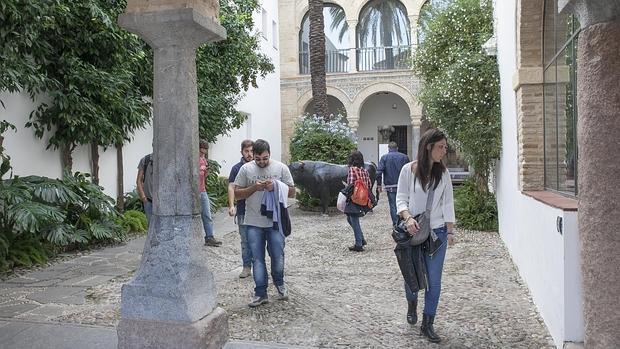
x,y
360,192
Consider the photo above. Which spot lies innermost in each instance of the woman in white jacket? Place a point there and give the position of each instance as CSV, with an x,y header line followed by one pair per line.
x,y
413,184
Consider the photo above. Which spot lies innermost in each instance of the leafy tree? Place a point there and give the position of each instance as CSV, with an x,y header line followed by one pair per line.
x,y
460,92
93,73
226,69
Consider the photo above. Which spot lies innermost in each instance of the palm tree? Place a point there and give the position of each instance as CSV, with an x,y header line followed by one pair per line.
x,y
388,18
317,58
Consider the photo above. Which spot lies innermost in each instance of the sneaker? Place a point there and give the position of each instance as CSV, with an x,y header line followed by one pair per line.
x,y
258,300
212,242
282,293
247,271
356,248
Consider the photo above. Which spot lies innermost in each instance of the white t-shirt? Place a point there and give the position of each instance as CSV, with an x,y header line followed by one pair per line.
x,y
249,174
410,196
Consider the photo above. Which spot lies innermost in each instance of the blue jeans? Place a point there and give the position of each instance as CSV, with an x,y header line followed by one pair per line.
x,y
205,213
391,195
354,222
257,237
434,268
148,210
246,253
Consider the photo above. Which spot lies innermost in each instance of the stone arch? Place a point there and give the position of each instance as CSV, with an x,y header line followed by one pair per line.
x,y
302,102
411,7
414,107
301,9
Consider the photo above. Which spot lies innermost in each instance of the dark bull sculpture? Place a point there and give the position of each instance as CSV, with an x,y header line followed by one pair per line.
x,y
323,180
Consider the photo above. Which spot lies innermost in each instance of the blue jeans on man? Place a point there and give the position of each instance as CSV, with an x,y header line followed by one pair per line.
x,y
434,269
391,195
148,210
205,213
246,253
257,237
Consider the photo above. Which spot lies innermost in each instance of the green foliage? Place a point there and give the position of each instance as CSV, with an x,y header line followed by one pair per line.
x,y
316,139
320,140
93,72
39,215
5,160
226,69
460,92
132,201
475,210
217,187
133,221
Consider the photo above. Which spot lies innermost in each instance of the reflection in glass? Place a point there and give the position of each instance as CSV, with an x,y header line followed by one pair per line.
x,y
383,36
336,41
550,127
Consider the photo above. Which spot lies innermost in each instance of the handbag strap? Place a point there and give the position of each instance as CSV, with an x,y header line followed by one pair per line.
x,y
429,199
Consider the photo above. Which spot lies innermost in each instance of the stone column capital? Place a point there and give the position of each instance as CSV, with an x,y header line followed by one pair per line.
x,y
591,12
416,120
184,27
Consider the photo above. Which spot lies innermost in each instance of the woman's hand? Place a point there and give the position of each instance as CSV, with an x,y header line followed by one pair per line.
x,y
451,240
412,225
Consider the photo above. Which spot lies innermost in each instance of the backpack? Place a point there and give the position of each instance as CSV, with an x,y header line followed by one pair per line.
x,y
360,193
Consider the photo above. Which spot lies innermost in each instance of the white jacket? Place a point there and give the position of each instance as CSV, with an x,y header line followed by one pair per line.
x,y
413,198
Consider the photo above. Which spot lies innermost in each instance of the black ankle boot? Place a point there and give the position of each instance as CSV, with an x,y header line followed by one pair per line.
x,y
427,328
412,312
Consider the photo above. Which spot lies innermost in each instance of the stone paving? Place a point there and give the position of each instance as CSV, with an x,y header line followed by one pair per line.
x,y
338,298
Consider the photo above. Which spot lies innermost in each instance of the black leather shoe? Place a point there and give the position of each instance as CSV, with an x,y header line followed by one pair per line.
x,y
356,248
412,312
427,329
364,242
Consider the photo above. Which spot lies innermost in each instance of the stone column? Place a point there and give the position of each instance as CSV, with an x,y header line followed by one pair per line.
x,y
171,300
416,122
352,24
598,130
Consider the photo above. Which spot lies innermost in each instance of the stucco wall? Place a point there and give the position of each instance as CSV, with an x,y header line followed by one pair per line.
x,y
262,104
547,260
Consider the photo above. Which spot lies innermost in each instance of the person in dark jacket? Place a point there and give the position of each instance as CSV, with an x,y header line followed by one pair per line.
x,y
390,165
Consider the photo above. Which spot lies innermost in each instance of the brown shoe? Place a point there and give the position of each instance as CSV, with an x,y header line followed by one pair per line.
x,y
247,271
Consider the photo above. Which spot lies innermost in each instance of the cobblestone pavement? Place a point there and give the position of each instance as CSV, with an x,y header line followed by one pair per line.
x,y
338,298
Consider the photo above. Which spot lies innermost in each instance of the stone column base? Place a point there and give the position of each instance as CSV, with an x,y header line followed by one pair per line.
x,y
210,332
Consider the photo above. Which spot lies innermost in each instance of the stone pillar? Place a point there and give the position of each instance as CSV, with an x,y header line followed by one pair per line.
x,y
598,130
416,122
352,24
171,300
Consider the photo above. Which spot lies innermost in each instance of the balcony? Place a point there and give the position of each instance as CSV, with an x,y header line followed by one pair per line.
x,y
366,59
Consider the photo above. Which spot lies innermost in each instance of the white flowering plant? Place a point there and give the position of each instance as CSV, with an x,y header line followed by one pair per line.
x,y
315,138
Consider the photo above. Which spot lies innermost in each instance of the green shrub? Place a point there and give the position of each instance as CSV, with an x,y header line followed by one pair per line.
x,y
474,209
320,140
132,202
39,216
133,221
217,187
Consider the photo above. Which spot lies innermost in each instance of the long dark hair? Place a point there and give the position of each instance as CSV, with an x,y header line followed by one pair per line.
x,y
356,158
427,171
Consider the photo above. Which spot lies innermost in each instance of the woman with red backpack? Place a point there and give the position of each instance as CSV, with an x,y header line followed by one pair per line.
x,y
360,180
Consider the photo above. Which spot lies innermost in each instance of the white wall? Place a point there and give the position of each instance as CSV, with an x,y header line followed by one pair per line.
x,y
29,156
377,111
262,104
547,260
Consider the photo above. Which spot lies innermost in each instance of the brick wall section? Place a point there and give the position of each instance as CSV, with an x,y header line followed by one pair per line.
x,y
530,136
530,96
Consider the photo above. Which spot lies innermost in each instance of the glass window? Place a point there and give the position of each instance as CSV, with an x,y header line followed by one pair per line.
x,y
336,41
274,33
264,23
383,36
560,100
